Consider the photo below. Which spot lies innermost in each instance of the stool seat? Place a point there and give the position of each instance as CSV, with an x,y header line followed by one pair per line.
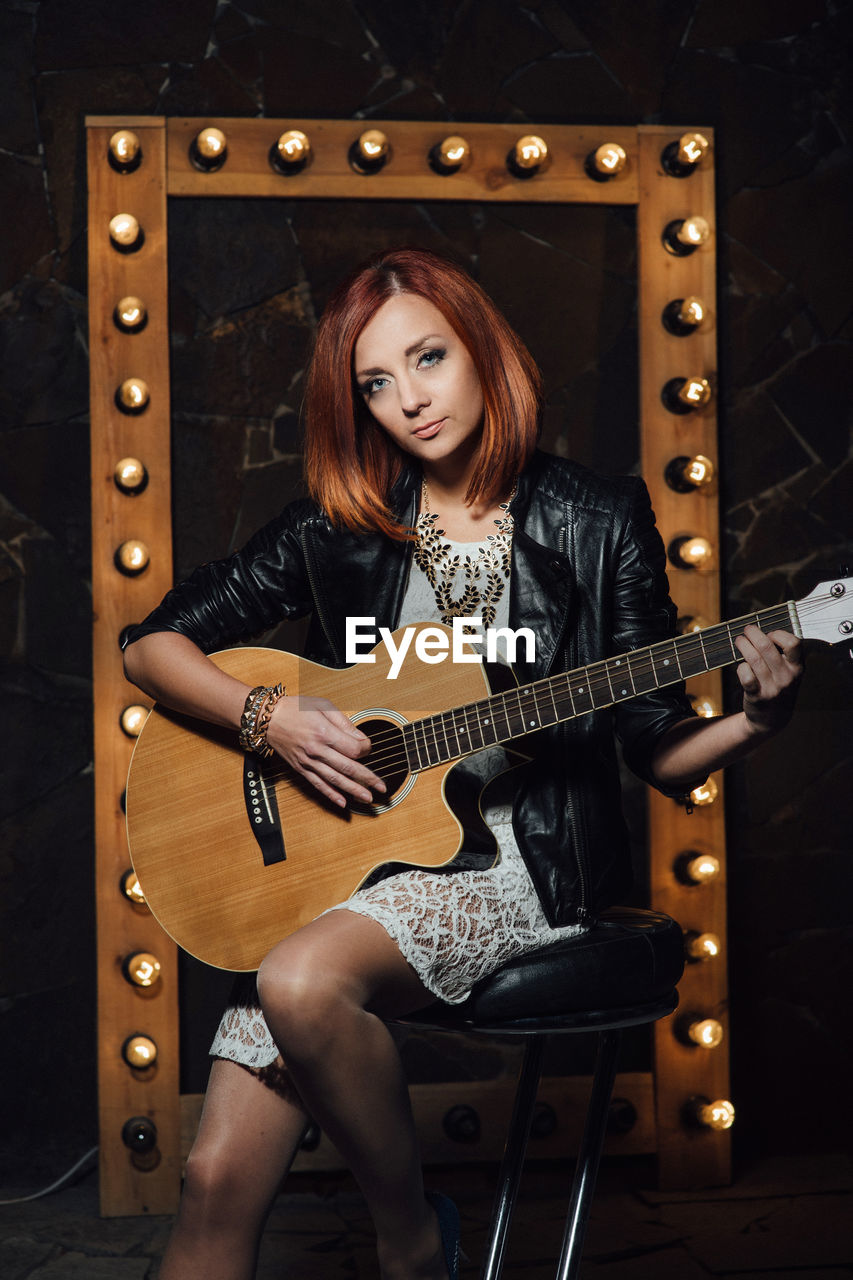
x,y
621,972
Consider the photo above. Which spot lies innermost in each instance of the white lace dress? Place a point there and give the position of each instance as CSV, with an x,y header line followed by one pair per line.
x,y
453,928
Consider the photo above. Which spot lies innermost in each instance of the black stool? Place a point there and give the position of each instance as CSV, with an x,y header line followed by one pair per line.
x,y
621,973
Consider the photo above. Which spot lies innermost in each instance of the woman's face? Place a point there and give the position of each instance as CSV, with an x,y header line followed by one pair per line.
x,y
418,381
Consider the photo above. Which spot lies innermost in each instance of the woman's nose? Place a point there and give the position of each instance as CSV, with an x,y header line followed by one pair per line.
x,y
413,397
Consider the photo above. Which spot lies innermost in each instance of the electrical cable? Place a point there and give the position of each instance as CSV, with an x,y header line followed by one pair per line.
x,y
54,1186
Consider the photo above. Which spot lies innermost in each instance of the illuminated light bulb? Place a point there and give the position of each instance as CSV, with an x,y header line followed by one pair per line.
x,y
701,946
529,156
209,149
131,888
130,475
705,794
685,475
125,232
130,314
683,236
132,557
719,1115
690,625
142,969
691,552
686,395
705,706
125,151
684,316
450,155
681,158
707,1033
370,151
605,162
132,719
291,152
139,1134
701,868
133,395
139,1052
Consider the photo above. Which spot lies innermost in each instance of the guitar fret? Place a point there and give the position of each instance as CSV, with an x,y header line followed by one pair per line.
x,y
620,689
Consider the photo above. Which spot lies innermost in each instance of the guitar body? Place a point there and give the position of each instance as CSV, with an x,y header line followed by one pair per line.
x,y
193,821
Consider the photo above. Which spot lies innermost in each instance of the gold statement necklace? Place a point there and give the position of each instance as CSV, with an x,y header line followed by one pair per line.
x,y
484,576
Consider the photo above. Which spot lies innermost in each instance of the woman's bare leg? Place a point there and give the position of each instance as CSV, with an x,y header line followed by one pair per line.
x,y
324,992
246,1141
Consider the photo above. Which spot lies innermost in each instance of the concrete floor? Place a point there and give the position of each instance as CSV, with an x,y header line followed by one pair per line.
x,y
784,1219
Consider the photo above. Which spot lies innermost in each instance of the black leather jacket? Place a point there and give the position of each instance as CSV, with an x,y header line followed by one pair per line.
x,y
588,577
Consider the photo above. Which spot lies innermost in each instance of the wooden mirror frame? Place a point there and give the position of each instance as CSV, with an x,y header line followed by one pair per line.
x,y
137,1181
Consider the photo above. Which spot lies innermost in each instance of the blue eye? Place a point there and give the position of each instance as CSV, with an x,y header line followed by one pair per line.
x,y
431,358
372,385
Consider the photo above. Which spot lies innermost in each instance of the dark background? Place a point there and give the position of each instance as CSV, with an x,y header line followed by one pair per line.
x,y
770,76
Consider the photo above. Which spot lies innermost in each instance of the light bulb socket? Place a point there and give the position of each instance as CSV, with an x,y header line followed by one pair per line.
x,y
699,1112
126,234
133,396
130,315
699,948
132,558
132,719
141,969
462,1124
680,472
674,244
621,1116
139,1134
130,476
139,1052
697,1031
673,166
679,556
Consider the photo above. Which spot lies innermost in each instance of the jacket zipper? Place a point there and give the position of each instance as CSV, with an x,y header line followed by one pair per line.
x,y
583,913
318,599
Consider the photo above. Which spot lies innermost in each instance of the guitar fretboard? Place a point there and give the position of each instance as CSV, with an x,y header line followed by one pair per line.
x,y
458,732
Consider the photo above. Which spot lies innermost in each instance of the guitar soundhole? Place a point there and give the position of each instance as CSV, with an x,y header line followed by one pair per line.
x,y
387,755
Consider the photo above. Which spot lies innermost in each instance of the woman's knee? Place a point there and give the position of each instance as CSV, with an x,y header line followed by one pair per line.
x,y
303,998
214,1192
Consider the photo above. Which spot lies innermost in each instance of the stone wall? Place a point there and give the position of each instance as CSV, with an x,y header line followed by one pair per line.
x,y
770,77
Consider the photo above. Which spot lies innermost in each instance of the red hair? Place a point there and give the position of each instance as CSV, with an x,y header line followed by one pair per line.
x,y
351,463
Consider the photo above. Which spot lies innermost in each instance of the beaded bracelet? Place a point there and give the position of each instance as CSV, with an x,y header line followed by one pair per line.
x,y
256,717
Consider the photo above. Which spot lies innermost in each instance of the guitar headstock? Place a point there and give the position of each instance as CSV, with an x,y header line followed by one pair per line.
x,y
827,612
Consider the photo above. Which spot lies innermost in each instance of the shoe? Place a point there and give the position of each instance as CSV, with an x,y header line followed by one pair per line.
x,y
448,1224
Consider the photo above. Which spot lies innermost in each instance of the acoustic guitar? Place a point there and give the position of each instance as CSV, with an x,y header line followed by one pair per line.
x,y
234,853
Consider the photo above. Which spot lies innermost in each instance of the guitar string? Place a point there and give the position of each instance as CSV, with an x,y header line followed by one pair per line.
x,y
526,698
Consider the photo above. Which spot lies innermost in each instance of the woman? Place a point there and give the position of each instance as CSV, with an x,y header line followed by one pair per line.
x,y
428,500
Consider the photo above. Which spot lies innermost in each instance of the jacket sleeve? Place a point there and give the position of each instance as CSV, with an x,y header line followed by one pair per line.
x,y
233,600
644,614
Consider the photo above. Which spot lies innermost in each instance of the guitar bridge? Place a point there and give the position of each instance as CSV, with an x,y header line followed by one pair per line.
x,y
262,811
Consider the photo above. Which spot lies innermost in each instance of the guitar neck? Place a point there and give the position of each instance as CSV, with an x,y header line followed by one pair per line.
x,y
455,733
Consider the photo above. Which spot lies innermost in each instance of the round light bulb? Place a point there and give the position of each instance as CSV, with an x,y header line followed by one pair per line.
x,y
717,1115
139,1052
705,794
690,625
707,1033
133,556
705,706
693,231
691,552
130,314
701,868
133,395
130,475
131,888
125,149
692,311
125,231
695,392
530,153
684,474
142,969
373,146
609,159
210,146
132,719
701,946
293,148
452,153
692,148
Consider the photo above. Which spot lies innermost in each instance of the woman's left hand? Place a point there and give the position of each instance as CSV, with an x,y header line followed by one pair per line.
x,y
770,676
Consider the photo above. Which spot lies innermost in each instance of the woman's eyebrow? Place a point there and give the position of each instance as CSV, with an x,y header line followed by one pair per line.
x,y
429,337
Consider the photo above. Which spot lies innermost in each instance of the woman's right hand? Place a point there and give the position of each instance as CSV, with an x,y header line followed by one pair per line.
x,y
320,743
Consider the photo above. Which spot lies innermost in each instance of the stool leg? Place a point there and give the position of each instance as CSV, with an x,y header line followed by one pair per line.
x,y
513,1157
589,1155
